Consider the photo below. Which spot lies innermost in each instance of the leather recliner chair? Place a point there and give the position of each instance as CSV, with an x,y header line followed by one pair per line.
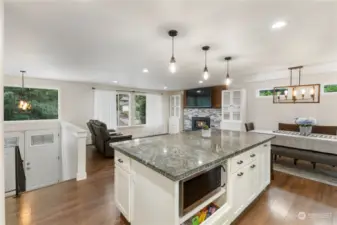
x,y
103,138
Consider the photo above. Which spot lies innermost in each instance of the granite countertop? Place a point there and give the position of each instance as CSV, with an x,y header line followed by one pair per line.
x,y
178,156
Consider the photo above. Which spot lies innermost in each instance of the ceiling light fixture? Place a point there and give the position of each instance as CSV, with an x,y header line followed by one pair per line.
x,y
279,24
173,66
228,81
145,70
200,82
165,87
115,81
23,103
205,74
301,93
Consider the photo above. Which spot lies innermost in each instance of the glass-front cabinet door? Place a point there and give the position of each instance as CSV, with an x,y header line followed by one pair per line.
x,y
175,101
231,105
226,105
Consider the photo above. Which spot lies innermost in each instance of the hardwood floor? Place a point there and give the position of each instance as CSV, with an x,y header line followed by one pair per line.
x,y
91,202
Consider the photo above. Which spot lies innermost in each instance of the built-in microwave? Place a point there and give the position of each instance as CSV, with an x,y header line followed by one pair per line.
x,y
198,188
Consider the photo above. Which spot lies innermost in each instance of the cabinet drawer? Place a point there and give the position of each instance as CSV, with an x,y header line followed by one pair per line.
x,y
266,145
243,159
122,161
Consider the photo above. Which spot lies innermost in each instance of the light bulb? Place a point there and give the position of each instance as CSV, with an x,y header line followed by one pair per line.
x,y
295,93
228,81
303,91
312,91
24,106
20,104
173,67
286,92
206,75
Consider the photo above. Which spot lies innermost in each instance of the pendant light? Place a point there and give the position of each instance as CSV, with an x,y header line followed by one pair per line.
x,y
23,104
300,93
173,66
228,81
205,74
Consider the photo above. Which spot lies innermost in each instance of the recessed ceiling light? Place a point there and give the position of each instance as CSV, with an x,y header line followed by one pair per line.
x,y
279,24
200,82
145,70
115,81
165,88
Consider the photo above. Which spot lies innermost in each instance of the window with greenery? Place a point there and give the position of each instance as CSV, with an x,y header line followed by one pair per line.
x,y
330,88
131,109
270,92
140,110
44,103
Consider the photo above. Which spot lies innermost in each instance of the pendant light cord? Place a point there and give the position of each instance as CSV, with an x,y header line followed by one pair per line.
x,y
227,67
291,77
23,82
205,58
172,46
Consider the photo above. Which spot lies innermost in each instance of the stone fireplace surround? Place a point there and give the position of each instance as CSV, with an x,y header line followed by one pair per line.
x,y
213,113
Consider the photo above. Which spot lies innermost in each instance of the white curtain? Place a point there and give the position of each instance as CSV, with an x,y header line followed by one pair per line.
x,y
105,107
155,114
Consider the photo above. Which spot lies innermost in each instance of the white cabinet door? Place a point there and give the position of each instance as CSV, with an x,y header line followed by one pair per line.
x,y
226,105
240,187
254,184
123,192
264,162
175,102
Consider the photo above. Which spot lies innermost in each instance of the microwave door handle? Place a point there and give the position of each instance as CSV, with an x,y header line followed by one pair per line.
x,y
224,169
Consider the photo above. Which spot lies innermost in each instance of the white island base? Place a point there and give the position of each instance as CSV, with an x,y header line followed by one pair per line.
x,y
146,197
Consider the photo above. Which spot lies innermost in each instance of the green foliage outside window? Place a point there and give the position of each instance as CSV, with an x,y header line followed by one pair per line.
x,y
330,88
44,104
140,101
270,92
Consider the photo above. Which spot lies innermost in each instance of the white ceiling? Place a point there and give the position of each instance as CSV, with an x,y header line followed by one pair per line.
x,y
102,41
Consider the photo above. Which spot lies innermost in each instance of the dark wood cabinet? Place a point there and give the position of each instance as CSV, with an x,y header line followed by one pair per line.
x,y
216,96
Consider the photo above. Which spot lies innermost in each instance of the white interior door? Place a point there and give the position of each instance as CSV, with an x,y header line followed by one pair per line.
x,y
42,163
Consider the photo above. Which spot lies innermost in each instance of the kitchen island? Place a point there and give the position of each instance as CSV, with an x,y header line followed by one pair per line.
x,y
153,174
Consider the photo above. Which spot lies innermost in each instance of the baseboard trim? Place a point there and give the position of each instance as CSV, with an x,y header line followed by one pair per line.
x,y
81,176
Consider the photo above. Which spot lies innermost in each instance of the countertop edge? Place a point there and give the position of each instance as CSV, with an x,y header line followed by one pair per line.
x,y
196,170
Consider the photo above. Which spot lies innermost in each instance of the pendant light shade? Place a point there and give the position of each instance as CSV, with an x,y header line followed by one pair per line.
x,y
228,80
205,73
173,66
23,104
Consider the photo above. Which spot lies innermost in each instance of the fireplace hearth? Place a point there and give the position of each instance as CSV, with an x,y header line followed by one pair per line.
x,y
199,122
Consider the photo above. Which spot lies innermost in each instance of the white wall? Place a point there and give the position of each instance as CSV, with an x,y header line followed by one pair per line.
x,y
267,115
